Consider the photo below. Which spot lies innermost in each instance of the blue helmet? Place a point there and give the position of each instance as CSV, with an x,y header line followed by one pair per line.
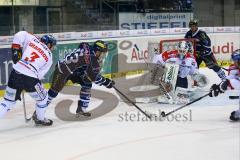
x,y
236,55
100,46
49,39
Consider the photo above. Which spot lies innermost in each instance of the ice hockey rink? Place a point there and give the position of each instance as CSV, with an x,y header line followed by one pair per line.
x,y
207,134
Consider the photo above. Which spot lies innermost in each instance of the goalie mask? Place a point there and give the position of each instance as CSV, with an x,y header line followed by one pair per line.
x,y
236,57
183,49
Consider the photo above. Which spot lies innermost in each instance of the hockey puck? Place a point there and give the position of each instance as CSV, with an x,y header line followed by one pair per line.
x,y
163,114
233,97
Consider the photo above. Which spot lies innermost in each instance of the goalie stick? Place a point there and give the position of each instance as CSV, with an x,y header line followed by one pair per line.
x,y
163,89
24,109
163,114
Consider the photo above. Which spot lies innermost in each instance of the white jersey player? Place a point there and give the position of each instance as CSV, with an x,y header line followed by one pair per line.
x,y
33,58
186,62
232,82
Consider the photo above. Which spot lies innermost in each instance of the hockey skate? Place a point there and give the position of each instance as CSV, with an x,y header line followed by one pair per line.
x,y
45,122
235,116
81,111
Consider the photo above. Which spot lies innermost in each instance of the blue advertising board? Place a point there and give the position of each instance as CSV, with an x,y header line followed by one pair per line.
x,y
130,21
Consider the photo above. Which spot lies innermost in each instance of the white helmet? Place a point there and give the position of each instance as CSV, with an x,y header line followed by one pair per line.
x,y
183,48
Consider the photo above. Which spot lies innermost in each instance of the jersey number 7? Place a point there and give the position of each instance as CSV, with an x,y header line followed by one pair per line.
x,y
34,56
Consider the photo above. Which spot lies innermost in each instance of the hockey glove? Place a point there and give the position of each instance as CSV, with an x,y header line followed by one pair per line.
x,y
108,83
16,53
217,89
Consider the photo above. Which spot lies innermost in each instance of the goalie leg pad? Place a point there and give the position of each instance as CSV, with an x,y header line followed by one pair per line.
x,y
165,100
157,72
171,74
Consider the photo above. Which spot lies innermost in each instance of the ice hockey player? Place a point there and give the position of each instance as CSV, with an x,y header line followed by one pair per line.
x,y
32,59
184,59
81,66
203,48
232,82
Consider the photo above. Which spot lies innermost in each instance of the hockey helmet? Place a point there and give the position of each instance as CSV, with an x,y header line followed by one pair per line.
x,y
183,49
193,22
100,46
236,55
49,39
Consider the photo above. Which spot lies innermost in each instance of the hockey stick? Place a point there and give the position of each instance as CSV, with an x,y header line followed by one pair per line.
x,y
147,115
164,90
163,114
24,109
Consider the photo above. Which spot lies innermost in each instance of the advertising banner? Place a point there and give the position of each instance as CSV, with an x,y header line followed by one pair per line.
x,y
132,21
137,50
5,66
109,62
19,2
223,45
132,50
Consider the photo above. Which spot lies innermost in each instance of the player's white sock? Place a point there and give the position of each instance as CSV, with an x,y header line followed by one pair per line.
x,y
40,111
84,109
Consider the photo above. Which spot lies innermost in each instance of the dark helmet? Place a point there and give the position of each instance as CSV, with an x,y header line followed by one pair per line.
x,y
49,39
100,46
193,22
236,55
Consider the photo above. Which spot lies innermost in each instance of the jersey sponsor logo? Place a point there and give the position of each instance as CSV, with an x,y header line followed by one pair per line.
x,y
170,73
39,50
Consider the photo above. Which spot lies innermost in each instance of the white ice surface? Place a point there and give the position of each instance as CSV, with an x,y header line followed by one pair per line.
x,y
208,136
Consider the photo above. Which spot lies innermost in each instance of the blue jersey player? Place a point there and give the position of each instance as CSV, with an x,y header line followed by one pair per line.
x,y
203,48
82,66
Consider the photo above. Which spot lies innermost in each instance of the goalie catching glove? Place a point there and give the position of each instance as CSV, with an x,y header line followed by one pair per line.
x,y
218,88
